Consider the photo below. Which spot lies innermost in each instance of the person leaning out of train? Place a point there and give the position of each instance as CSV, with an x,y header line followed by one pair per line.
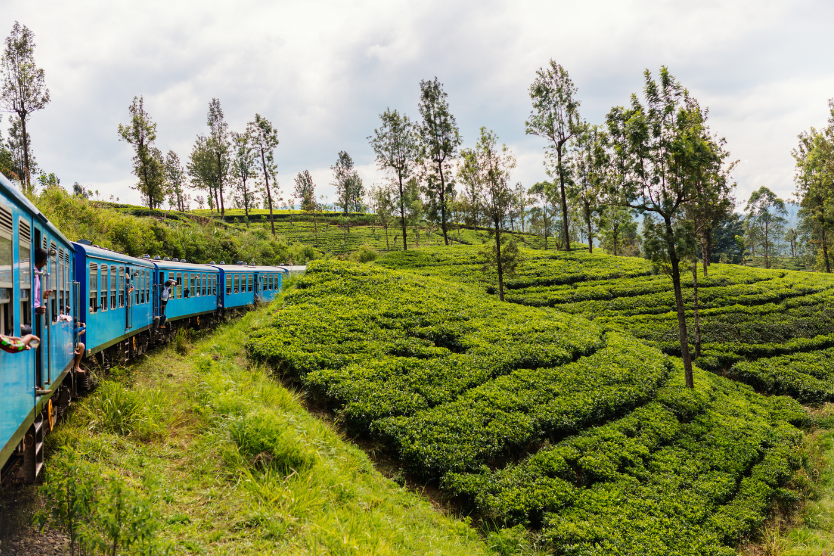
x,y
40,262
163,301
80,328
11,344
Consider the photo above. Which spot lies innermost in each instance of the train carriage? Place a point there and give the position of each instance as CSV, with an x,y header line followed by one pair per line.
x,y
196,290
111,311
268,282
35,379
237,285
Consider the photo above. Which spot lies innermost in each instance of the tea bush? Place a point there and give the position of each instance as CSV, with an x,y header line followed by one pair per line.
x,y
532,417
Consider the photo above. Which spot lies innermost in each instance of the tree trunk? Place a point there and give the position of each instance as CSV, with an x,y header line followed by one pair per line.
x,y
676,283
697,316
443,204
269,197
564,200
498,260
402,214
590,235
387,245
27,177
825,252
704,254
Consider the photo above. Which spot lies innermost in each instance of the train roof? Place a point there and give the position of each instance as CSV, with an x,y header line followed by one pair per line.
x,y
179,265
294,268
237,267
102,253
9,190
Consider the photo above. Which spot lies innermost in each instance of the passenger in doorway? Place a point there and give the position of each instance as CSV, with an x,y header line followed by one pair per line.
x,y
10,344
163,301
80,329
40,261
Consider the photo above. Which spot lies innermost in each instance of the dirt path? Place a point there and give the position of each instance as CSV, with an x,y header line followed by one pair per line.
x,y
18,536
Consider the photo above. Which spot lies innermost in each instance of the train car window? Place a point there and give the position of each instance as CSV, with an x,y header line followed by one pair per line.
x,y
148,286
24,249
236,279
228,284
193,288
93,289
67,283
54,283
140,290
60,284
121,286
114,281
179,285
105,279
6,276
199,285
251,281
271,281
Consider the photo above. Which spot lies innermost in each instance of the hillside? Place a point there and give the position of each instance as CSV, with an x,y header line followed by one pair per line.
x,y
771,317
527,416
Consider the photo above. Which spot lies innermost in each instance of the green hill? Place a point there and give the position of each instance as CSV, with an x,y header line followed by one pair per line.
x,y
527,416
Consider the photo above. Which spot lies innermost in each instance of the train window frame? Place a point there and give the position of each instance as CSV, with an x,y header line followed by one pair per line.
x,y
236,283
228,284
53,284
178,291
24,266
121,286
113,275
250,281
92,287
147,286
105,287
7,312
193,289
199,282
60,283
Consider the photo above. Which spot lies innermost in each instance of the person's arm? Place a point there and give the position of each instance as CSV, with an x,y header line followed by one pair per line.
x,y
10,344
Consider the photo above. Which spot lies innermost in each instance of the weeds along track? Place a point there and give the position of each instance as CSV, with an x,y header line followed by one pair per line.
x,y
746,314
534,417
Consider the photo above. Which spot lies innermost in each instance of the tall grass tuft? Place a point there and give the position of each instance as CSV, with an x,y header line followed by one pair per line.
x,y
182,340
262,437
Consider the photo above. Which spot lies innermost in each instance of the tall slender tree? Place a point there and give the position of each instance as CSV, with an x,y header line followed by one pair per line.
x,y
589,168
220,143
555,117
397,151
23,89
175,178
654,145
491,166
148,164
767,212
440,139
348,184
202,169
245,167
18,149
265,139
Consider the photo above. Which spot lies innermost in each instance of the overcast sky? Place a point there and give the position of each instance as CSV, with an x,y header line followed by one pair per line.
x,y
322,72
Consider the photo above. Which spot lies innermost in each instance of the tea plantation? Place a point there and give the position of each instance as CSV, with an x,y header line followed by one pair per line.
x,y
529,416
746,314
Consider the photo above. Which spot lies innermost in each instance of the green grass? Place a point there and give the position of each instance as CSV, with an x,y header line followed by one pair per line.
x,y
229,462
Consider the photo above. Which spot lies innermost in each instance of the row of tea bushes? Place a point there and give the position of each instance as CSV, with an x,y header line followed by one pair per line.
x,y
534,417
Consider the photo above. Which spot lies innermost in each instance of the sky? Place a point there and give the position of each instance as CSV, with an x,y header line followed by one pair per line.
x,y
322,72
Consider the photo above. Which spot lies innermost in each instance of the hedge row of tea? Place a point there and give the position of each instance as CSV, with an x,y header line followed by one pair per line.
x,y
746,314
534,417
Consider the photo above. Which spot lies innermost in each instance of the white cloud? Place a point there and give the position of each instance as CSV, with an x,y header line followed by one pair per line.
x,y
323,71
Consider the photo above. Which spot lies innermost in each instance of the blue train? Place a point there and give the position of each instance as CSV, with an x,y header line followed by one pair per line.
x,y
119,300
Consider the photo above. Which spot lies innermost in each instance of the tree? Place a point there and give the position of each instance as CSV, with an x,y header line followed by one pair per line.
x,y
23,90
148,163
724,241
766,212
491,167
589,166
18,150
349,188
245,171
542,215
618,232
815,183
265,138
220,144
440,139
175,178
202,168
305,190
397,150
656,146
555,116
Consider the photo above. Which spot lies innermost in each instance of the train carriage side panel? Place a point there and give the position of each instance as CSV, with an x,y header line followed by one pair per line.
x,y
195,290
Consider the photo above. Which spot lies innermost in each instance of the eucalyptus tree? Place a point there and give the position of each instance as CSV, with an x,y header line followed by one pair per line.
x,y
23,89
590,164
245,166
348,184
657,145
202,169
175,179
221,144
814,180
305,190
767,212
544,193
148,164
17,150
440,139
555,117
396,146
491,166
264,138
